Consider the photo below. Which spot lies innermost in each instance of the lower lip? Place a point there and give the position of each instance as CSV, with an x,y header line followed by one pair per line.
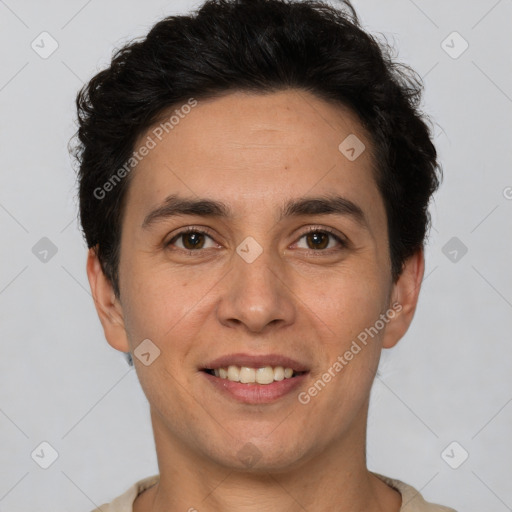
x,y
256,393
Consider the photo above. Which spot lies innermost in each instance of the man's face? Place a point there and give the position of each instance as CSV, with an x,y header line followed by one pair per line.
x,y
260,283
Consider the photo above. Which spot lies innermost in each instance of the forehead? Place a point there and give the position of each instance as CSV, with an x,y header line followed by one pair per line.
x,y
250,148
242,120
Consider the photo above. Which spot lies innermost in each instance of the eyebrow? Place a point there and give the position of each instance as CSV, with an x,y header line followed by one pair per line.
x,y
174,206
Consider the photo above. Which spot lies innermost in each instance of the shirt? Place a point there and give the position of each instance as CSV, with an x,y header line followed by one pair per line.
x,y
412,501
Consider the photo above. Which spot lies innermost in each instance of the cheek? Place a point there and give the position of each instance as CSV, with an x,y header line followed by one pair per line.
x,y
160,303
350,306
347,301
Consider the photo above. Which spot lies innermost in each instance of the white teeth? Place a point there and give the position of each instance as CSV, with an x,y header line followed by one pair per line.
x,y
247,375
278,373
233,373
265,375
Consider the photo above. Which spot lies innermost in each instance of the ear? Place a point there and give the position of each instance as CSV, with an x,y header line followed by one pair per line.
x,y
107,304
404,298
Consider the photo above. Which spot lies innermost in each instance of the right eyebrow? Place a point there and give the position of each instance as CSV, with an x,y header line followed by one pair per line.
x,y
173,206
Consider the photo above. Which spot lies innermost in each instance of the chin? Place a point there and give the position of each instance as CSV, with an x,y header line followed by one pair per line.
x,y
260,455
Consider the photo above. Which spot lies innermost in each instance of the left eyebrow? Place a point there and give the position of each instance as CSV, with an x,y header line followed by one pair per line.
x,y
326,205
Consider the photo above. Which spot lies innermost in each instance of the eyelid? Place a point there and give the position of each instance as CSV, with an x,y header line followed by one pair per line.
x,y
190,229
325,229
342,239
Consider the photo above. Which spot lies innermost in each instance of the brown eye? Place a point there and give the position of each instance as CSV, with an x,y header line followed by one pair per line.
x,y
193,240
320,240
317,240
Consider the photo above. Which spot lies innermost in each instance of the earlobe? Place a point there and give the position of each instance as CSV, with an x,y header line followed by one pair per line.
x,y
404,298
107,304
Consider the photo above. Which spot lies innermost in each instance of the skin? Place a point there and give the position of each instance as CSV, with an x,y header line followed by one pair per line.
x,y
254,152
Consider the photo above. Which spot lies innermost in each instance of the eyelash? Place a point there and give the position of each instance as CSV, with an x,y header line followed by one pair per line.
x,y
342,242
312,229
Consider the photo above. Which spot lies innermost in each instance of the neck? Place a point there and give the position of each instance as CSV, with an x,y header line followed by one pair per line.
x,y
334,479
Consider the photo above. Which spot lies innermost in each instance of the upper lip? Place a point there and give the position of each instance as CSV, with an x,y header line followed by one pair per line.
x,y
256,361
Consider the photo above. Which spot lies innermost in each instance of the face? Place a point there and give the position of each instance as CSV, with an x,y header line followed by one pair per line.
x,y
249,240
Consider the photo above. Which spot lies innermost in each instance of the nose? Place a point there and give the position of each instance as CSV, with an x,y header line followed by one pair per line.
x,y
257,295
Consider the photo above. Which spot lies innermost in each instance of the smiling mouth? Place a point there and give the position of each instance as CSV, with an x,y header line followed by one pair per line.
x,y
247,375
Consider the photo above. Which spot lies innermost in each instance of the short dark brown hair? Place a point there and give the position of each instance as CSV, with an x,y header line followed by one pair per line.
x,y
260,46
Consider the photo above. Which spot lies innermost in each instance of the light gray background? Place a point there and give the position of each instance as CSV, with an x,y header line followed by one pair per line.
x,y
448,380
